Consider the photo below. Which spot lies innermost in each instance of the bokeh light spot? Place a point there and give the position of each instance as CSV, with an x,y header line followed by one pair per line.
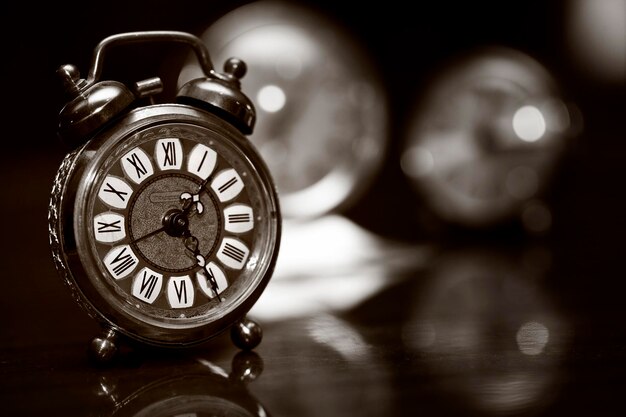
x,y
532,338
417,161
529,124
271,98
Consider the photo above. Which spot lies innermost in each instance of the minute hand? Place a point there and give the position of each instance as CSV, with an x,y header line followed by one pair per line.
x,y
203,184
191,243
152,233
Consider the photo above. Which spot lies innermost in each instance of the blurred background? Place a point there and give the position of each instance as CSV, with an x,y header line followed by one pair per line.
x,y
450,175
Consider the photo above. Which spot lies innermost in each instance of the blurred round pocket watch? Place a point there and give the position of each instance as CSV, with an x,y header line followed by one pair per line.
x,y
323,123
486,140
163,220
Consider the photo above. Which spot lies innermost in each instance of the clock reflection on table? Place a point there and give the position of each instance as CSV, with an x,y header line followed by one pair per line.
x,y
321,107
485,331
189,387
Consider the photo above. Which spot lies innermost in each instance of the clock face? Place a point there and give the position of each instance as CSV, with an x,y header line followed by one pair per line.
x,y
176,226
486,138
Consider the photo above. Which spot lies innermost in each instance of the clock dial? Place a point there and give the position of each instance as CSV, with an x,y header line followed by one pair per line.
x,y
173,226
144,244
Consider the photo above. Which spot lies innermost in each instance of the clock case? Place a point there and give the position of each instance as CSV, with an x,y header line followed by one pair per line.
x,y
99,116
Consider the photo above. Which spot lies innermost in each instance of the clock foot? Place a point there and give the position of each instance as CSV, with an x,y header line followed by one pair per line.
x,y
104,348
246,334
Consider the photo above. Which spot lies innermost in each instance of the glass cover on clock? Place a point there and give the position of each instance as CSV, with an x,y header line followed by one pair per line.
x,y
179,224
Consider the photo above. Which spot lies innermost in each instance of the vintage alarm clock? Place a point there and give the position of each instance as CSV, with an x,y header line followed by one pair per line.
x,y
164,220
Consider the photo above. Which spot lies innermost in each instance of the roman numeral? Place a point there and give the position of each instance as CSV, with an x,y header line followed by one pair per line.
x,y
227,185
109,227
140,168
212,282
115,192
137,165
215,279
108,188
211,275
120,261
233,253
180,292
239,218
201,161
147,285
170,154
146,289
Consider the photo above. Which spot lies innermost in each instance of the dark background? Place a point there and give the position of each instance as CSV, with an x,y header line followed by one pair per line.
x,y
408,41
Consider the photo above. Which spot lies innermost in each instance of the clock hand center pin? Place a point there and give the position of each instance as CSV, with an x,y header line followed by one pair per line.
x,y
175,222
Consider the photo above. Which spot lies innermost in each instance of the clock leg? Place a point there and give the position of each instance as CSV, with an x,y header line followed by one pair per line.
x,y
246,334
104,348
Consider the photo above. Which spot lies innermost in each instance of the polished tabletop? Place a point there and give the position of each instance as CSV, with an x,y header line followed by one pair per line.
x,y
366,325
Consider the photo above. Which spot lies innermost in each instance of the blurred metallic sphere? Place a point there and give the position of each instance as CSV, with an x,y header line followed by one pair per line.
x,y
321,109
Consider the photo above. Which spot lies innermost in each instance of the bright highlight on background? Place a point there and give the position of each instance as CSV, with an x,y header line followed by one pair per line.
x,y
271,98
529,124
532,337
